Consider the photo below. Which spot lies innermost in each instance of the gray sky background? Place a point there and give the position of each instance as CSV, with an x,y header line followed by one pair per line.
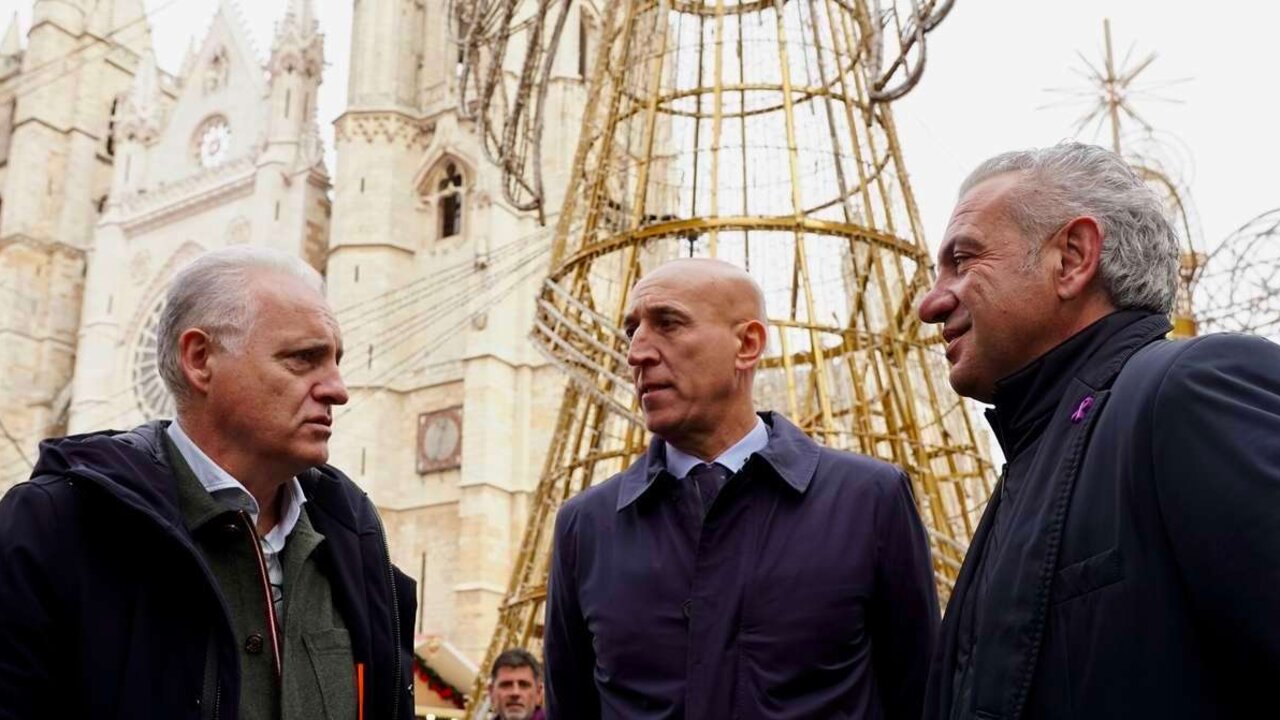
x,y
989,65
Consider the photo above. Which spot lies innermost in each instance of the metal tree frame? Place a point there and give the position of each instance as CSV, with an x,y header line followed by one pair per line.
x,y
759,132
1110,100
1240,291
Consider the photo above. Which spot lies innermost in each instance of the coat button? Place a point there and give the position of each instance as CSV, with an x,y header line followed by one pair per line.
x,y
253,644
687,608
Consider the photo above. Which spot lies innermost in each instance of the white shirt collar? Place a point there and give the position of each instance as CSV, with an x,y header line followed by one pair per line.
x,y
220,484
680,463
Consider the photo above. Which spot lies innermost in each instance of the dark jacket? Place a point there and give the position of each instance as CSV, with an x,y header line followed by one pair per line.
x,y
1138,575
106,606
807,592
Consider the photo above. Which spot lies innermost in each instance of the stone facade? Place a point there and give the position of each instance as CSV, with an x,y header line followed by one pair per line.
x,y
56,103
227,152
432,273
434,277
113,175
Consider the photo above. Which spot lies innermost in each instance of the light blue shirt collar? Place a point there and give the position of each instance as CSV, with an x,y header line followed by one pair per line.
x,y
221,485
680,463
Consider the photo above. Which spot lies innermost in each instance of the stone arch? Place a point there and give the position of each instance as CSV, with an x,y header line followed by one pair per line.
x,y
445,191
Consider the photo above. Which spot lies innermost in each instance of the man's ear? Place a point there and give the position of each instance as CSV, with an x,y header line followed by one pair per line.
x,y
752,335
1079,246
195,354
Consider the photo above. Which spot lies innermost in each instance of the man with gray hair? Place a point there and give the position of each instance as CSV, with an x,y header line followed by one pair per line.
x,y
213,566
1128,563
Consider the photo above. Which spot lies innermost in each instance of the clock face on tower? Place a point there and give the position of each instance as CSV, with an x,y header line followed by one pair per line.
x,y
440,440
214,142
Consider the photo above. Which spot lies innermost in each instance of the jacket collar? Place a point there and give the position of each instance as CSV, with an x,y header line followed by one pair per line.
x,y
1025,400
135,466
1020,580
792,455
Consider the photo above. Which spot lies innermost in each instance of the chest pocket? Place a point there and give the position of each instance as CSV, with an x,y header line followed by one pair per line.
x,y
329,656
1088,575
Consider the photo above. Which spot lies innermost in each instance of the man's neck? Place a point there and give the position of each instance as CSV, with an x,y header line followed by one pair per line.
x,y
264,484
725,436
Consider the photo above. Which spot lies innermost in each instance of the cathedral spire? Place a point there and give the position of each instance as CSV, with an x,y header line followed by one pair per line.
x,y
124,22
10,46
300,17
140,117
295,67
189,59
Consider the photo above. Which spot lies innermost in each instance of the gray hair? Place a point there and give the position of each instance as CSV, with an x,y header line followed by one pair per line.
x,y
214,293
1139,263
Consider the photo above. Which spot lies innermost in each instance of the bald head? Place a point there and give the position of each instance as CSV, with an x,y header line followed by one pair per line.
x,y
730,291
697,330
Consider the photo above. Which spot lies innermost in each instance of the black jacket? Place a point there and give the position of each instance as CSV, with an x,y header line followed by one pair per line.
x,y
1139,575
106,606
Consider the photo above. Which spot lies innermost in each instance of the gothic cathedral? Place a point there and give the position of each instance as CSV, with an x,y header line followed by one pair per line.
x,y
114,174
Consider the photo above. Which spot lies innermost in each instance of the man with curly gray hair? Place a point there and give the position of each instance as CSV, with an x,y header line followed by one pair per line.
x,y
1128,563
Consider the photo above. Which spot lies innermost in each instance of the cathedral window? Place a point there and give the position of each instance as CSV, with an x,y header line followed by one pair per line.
x,y
464,29
449,192
212,141
444,192
111,128
215,75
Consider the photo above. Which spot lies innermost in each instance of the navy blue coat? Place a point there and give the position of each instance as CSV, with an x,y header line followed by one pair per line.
x,y
1140,575
106,606
807,592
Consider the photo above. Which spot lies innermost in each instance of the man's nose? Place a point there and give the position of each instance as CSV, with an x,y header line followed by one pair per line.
x,y
640,351
332,389
937,304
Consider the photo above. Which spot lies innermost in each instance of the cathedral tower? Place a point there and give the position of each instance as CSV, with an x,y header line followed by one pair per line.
x,y
225,153
57,100
433,273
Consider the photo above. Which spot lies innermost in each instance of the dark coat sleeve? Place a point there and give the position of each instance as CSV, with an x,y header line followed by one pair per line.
x,y
1216,455
570,659
29,624
904,619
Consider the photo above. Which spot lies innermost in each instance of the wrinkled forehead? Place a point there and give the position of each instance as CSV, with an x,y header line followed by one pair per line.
x,y
668,290
508,674
287,301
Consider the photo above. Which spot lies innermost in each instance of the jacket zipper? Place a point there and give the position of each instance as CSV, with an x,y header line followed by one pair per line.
x,y
265,577
165,527
395,617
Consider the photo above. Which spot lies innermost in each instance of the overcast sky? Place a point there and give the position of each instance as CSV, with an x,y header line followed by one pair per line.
x,y
989,66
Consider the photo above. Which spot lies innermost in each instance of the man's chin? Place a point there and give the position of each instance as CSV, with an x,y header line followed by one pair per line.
x,y
655,422
968,386
310,455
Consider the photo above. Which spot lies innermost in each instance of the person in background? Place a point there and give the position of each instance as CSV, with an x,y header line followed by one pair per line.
x,y
515,686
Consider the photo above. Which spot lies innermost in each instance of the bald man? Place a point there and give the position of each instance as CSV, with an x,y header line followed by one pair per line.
x,y
737,569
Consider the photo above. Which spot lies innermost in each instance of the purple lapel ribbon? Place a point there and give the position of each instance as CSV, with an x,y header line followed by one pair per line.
x,y
1082,409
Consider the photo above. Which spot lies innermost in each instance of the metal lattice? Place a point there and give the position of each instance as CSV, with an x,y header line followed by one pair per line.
x,y
758,132
1240,291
